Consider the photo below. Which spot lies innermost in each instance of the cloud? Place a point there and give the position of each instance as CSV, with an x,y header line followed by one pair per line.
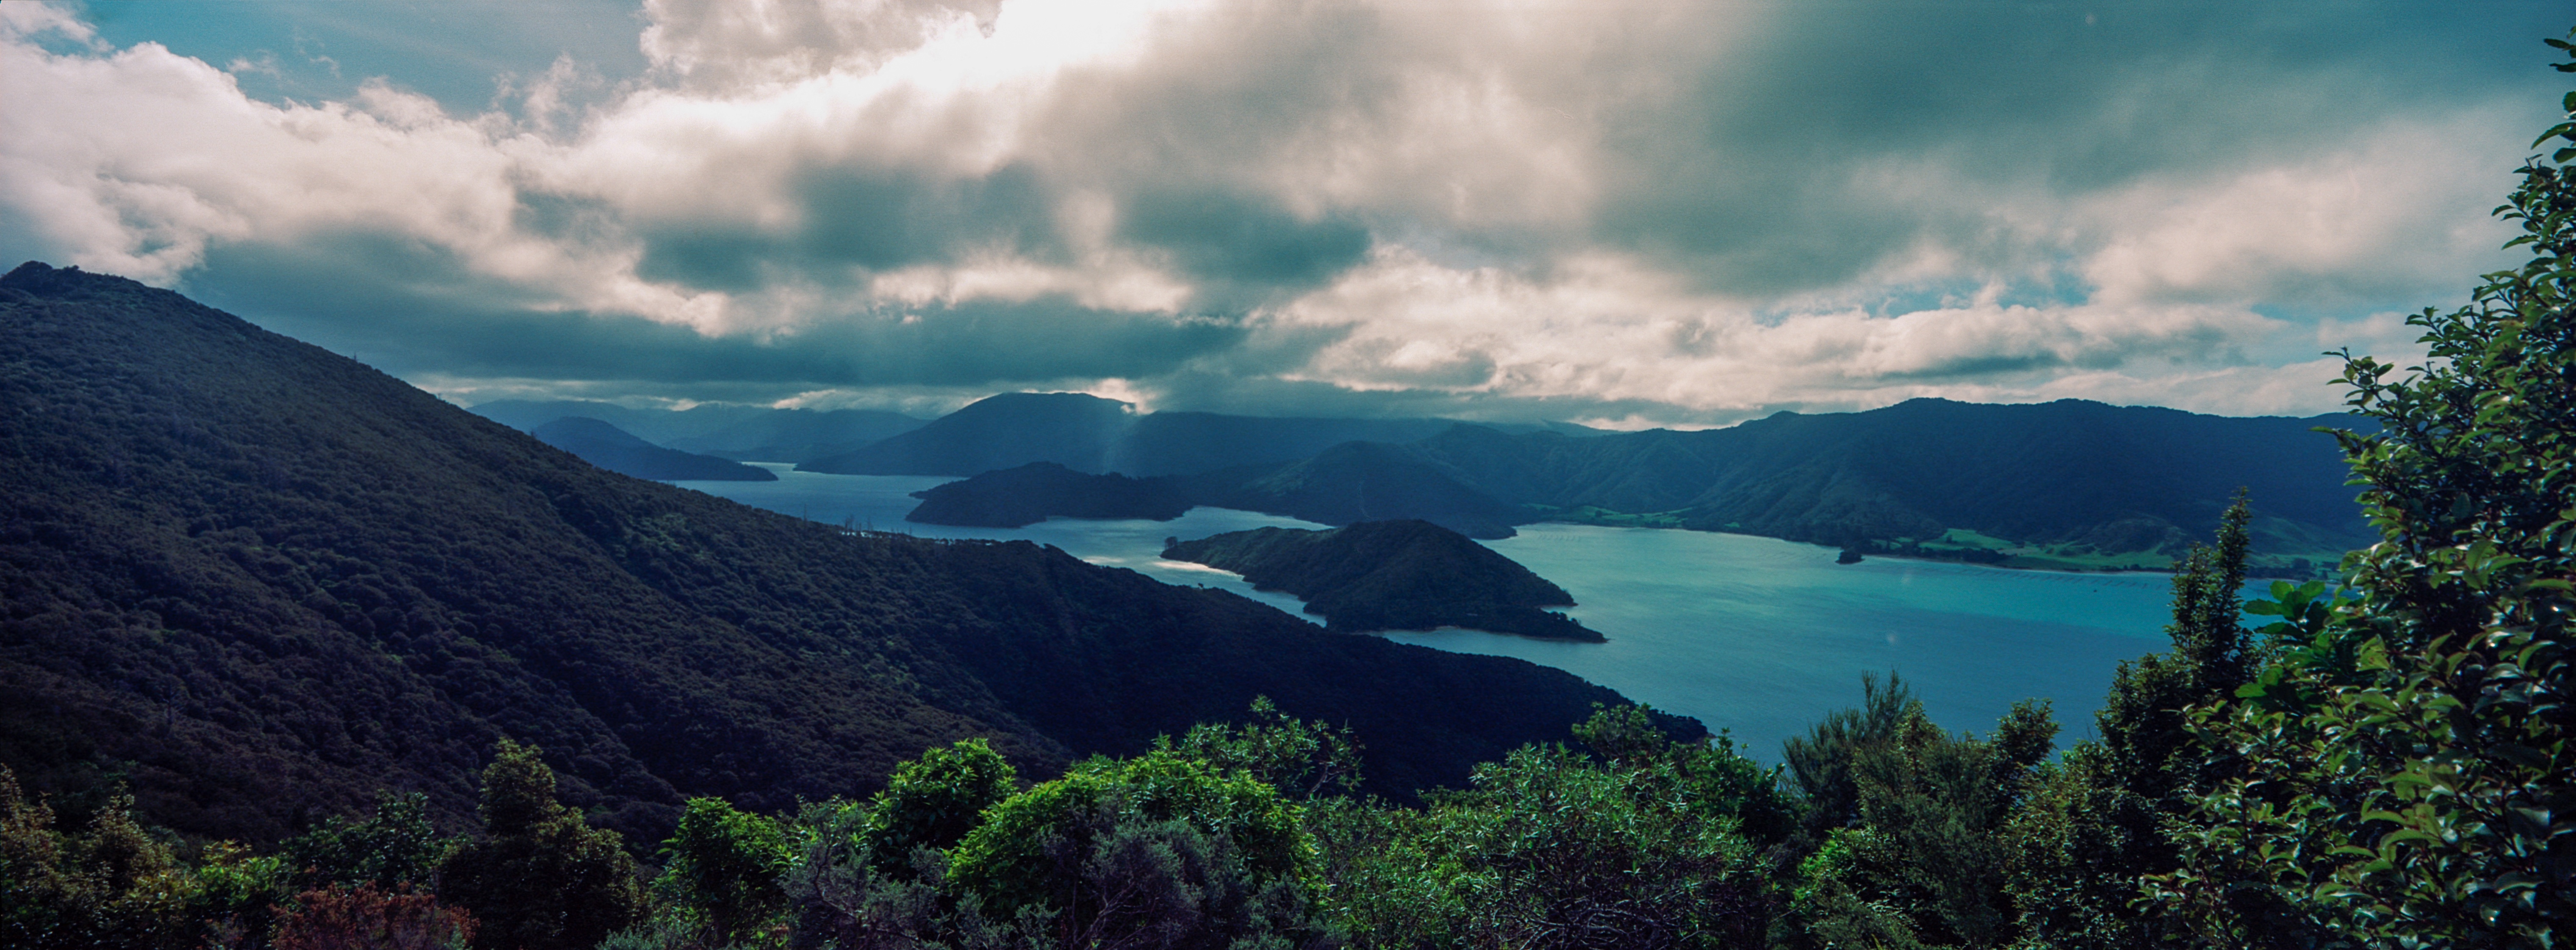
x,y
1648,212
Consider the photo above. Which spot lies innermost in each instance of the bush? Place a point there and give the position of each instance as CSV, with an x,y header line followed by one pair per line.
x,y
367,917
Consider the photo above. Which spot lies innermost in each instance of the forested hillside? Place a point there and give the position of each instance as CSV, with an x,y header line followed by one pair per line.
x,y
1013,497
2067,483
1393,575
2062,484
254,581
616,450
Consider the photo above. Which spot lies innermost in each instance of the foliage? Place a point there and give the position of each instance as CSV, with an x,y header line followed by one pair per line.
x,y
1820,762
242,896
2404,774
1303,760
1640,845
933,801
1156,851
541,878
396,846
111,886
1923,859
723,866
1046,849
368,917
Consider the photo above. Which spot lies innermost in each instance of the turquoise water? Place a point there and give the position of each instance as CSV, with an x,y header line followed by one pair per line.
x,y
1752,635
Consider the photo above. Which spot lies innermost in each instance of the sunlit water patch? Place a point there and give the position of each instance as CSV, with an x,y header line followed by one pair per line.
x,y
1752,635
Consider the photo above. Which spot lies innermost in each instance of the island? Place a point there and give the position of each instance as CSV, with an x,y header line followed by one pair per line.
x,y
1014,497
1392,575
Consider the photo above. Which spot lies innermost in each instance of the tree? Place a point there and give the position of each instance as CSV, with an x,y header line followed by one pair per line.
x,y
933,801
1303,760
2404,768
1820,761
1126,848
113,886
396,846
1640,843
540,878
2093,826
723,866
1924,861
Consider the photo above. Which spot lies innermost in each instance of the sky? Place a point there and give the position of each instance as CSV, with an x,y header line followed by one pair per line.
x,y
1625,214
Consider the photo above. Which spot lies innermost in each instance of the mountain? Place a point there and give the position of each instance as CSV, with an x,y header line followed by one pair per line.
x,y
1370,481
997,432
1392,575
741,433
611,448
1092,435
1026,495
1184,443
653,425
2067,483
254,581
796,435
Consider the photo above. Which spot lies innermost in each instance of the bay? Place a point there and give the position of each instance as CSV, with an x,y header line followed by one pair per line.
x,y
1755,636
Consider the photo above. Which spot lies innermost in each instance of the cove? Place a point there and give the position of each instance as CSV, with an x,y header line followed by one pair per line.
x,y
1755,636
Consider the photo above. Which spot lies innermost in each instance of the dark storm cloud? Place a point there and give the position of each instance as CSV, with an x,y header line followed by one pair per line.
x,y
1232,239
410,309
1769,171
1684,211
870,219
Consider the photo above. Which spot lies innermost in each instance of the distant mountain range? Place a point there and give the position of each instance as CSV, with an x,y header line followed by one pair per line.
x,y
741,433
254,582
2067,483
2062,484
1094,435
616,450
1393,575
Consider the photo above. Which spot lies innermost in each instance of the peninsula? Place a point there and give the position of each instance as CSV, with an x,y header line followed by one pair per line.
x,y
1393,575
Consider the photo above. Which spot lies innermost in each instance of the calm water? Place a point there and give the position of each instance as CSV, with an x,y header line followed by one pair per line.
x,y
1752,635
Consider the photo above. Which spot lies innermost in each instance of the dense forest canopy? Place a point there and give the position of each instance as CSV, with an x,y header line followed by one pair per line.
x,y
250,582
2382,763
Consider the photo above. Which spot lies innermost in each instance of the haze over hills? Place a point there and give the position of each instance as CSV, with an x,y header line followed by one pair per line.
x,y
741,433
257,581
1097,436
616,450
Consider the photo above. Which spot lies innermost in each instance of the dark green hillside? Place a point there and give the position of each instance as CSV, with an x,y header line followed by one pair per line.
x,y
997,432
612,448
1393,575
1371,481
262,581
1031,493
2064,482
1185,443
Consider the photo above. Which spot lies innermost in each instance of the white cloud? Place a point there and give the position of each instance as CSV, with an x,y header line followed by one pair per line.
x,y
1667,212
2384,212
